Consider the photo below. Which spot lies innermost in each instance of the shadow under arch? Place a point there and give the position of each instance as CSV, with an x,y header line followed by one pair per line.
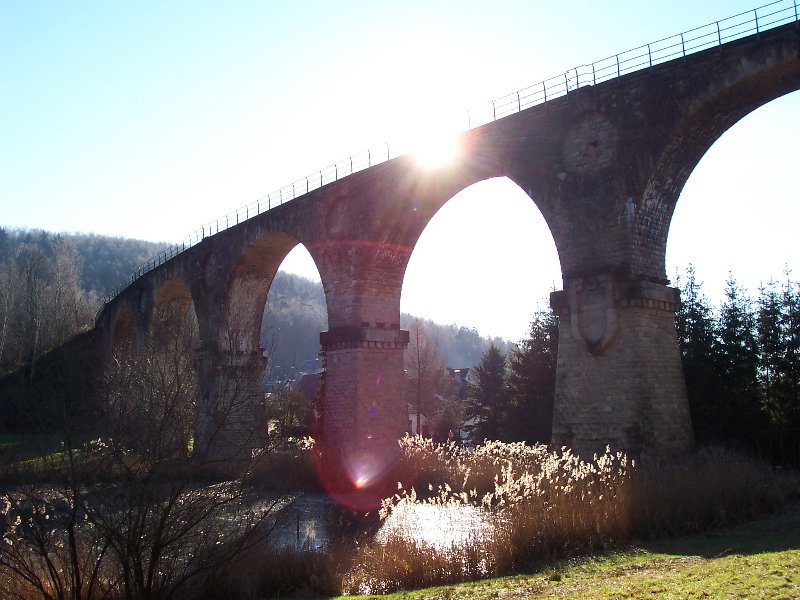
x,y
123,334
250,283
173,323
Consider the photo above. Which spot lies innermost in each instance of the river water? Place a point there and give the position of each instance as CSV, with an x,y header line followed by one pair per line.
x,y
311,522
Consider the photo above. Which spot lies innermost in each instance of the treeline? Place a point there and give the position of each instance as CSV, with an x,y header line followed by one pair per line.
x,y
460,346
741,361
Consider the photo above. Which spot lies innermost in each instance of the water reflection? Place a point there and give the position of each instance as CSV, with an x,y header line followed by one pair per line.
x,y
436,526
304,523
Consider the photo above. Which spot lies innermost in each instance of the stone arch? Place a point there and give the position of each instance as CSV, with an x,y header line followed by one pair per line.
x,y
248,289
123,332
233,364
171,351
173,321
699,128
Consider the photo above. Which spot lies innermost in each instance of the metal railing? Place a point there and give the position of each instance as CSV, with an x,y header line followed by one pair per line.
x,y
643,57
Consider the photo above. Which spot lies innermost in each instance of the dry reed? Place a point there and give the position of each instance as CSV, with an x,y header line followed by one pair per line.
x,y
546,505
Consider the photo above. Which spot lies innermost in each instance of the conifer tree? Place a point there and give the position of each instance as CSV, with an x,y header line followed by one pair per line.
x,y
699,355
790,329
740,412
771,350
487,400
531,381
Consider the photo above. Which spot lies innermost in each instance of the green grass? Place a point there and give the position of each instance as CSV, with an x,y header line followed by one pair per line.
x,y
30,455
759,559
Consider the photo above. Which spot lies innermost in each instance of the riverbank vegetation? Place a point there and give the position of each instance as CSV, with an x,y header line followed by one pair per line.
x,y
547,506
150,529
539,511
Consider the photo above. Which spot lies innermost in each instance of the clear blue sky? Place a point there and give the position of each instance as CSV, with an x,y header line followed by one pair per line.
x,y
148,119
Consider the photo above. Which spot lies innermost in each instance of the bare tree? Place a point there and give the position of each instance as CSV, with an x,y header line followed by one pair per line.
x,y
426,370
8,302
41,303
136,512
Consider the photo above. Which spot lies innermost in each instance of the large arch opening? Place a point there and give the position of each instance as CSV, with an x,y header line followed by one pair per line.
x,y
276,311
737,212
482,268
294,315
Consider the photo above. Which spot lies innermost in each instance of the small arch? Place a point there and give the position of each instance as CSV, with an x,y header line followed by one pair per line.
x,y
248,289
173,322
123,334
294,315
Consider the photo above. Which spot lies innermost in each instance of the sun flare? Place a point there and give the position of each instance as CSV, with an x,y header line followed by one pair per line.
x,y
436,150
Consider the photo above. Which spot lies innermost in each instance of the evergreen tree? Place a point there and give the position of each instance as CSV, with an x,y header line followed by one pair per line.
x,y
740,414
789,383
531,381
771,363
699,354
486,404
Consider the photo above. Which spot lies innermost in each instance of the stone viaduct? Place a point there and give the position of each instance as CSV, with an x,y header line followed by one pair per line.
x,y
604,163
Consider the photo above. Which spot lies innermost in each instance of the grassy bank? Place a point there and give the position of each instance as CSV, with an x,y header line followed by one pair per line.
x,y
759,559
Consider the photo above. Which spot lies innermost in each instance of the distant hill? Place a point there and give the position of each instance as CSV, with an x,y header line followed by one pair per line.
x,y
106,261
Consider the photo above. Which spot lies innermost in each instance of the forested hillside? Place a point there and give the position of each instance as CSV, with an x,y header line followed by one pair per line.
x,y
103,261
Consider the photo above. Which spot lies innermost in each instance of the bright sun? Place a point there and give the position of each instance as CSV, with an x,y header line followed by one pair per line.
x,y
436,150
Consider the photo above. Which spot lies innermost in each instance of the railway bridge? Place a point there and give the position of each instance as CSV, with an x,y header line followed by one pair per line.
x,y
603,150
